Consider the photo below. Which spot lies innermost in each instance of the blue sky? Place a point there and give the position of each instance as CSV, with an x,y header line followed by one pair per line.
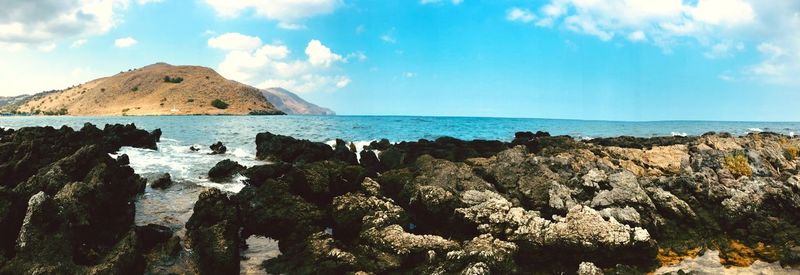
x,y
581,59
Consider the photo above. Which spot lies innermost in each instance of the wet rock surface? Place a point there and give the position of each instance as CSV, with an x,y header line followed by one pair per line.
x,y
163,181
540,204
67,205
224,170
218,148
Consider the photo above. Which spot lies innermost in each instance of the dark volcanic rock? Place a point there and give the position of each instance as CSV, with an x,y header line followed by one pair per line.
x,y
288,149
271,210
123,160
405,153
541,204
343,152
213,231
162,182
641,143
319,182
218,148
153,234
256,175
224,170
67,207
26,150
118,135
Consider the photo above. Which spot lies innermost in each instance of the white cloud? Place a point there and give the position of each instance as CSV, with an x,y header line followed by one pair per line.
x,y
773,66
78,43
49,47
454,2
520,15
319,55
276,52
721,28
37,22
637,36
285,11
125,42
723,12
723,50
342,82
234,41
360,56
388,38
726,77
291,26
270,65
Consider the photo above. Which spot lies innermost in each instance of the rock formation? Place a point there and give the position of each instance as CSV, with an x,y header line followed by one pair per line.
x,y
539,204
67,206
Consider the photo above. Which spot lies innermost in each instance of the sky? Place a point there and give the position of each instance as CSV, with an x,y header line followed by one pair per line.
x,y
634,60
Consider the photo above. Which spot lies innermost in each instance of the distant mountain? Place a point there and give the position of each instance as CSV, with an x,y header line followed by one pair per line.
x,y
158,89
8,103
292,104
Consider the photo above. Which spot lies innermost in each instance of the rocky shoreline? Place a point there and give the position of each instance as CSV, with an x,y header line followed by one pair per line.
x,y
540,204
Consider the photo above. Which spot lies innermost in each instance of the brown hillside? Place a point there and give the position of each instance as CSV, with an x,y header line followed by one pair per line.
x,y
145,91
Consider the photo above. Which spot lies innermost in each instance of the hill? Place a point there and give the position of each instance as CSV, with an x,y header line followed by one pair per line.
x,y
158,89
292,104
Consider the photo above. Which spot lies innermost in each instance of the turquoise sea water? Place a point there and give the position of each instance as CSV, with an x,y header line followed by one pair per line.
x,y
396,128
238,133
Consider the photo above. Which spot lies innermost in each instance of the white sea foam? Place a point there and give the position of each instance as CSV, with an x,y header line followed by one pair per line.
x,y
242,153
183,164
755,130
678,134
791,134
234,186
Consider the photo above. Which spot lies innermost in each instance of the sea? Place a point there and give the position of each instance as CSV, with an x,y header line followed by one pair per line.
x,y
173,206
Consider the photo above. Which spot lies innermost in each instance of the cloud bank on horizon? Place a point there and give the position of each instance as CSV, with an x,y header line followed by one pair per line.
x,y
348,53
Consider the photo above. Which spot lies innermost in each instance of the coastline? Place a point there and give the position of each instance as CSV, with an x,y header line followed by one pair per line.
x,y
538,203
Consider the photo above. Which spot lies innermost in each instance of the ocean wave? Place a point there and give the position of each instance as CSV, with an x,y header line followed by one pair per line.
x,y
677,134
183,164
755,130
242,153
234,186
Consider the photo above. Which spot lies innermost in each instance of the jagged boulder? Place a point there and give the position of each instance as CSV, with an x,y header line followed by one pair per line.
x,y
162,182
213,231
256,175
353,211
320,182
345,153
224,170
432,195
272,211
218,148
67,206
288,149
